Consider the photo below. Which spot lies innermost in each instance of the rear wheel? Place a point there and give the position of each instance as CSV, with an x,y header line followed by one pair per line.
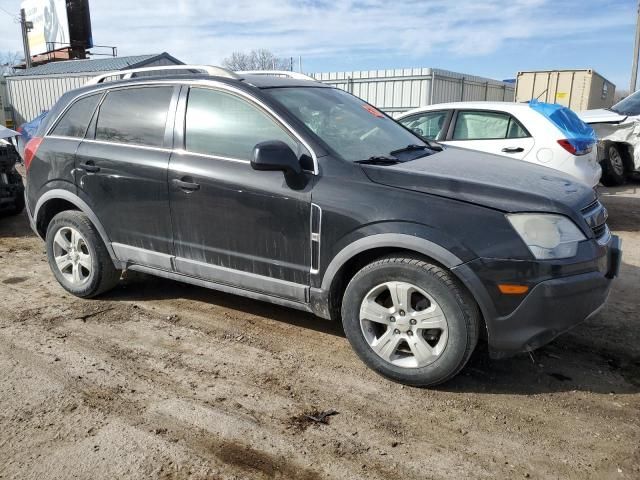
x,y
614,171
410,320
78,257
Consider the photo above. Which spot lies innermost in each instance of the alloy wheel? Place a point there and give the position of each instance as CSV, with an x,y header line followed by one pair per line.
x,y
72,255
403,324
615,159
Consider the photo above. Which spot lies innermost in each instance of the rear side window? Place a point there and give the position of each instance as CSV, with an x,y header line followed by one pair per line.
x,y
135,116
225,125
76,119
487,126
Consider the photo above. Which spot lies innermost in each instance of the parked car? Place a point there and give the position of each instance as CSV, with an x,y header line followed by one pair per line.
x,y
618,129
28,130
11,187
293,192
535,132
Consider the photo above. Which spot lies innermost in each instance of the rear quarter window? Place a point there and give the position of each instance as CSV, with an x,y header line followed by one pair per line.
x,y
76,119
135,116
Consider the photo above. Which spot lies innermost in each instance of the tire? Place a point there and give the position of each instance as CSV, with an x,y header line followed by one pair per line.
x,y
614,171
404,357
84,267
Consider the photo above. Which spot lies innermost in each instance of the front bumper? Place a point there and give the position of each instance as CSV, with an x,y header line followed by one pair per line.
x,y
551,307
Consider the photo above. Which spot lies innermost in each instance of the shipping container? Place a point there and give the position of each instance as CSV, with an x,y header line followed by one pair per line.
x,y
577,89
396,91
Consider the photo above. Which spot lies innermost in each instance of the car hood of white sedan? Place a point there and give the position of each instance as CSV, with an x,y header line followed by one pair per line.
x,y
601,115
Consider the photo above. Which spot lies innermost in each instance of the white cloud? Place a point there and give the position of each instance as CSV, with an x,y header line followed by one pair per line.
x,y
205,31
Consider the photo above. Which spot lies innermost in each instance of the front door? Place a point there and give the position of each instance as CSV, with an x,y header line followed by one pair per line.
x,y
122,172
232,224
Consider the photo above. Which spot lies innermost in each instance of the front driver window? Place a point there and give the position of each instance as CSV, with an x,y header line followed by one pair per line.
x,y
428,125
222,124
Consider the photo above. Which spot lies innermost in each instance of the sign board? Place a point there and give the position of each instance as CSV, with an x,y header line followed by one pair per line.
x,y
50,24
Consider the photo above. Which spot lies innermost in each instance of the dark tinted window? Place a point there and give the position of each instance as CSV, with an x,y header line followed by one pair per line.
x,y
222,124
135,116
75,120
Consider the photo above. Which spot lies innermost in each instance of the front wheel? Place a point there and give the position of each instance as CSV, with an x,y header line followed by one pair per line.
x,y
410,320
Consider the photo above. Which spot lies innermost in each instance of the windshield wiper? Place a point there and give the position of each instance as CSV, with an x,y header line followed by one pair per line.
x,y
378,160
409,148
412,147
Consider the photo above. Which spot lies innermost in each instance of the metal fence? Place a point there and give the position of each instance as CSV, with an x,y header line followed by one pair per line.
x,y
396,91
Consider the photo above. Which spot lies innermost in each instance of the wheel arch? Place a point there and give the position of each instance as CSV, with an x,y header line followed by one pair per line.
x,y
59,200
365,250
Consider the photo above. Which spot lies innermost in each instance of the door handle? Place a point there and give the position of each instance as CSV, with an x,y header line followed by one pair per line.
x,y
186,184
513,149
89,167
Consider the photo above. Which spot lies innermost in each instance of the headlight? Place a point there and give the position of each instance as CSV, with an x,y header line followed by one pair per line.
x,y
547,236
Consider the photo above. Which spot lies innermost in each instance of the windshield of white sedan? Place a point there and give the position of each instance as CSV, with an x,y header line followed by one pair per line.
x,y
353,129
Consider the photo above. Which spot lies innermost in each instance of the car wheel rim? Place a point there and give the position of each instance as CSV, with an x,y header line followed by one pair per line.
x,y
403,324
72,256
616,161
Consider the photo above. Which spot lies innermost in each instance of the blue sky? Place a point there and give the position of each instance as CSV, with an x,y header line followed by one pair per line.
x,y
488,38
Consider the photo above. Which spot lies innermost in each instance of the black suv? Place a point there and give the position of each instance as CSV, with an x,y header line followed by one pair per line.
x,y
293,192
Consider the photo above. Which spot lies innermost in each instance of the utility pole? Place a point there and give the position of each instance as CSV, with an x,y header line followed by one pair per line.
x,y
26,28
636,52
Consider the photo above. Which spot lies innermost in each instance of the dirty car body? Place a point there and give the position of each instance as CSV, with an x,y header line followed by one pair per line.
x,y
301,232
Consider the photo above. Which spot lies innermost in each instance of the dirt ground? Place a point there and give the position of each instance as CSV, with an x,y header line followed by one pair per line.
x,y
162,380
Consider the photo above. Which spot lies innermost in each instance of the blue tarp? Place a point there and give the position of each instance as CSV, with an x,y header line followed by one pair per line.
x,y
578,133
30,128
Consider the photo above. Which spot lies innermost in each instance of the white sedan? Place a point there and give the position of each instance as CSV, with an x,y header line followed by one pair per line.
x,y
539,133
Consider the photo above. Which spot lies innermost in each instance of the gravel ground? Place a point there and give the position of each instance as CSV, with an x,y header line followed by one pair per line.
x,y
162,380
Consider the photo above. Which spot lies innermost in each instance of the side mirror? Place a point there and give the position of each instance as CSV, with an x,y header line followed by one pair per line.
x,y
275,155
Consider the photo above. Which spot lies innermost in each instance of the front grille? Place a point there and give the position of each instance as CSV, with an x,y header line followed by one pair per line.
x,y
595,214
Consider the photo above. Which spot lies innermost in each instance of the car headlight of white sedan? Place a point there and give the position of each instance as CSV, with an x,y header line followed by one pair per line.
x,y
548,236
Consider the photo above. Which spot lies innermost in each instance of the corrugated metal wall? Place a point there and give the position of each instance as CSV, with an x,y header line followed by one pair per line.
x,y
396,91
29,96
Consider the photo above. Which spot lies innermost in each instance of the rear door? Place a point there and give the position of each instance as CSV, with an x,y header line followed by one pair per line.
x,y
122,171
490,131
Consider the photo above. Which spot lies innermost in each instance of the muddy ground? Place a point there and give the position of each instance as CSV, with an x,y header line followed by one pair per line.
x,y
162,380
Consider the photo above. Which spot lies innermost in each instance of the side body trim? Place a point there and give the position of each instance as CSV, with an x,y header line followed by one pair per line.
x,y
129,254
243,280
222,287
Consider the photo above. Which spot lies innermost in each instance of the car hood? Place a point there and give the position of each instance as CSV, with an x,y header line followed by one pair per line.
x,y
488,180
601,115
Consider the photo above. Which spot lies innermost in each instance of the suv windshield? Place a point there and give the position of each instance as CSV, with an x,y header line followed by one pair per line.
x,y
628,106
352,128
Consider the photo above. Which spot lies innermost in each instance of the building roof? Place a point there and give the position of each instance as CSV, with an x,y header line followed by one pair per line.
x,y
68,67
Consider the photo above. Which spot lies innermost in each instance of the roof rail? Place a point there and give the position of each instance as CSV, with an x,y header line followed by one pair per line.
x,y
125,74
278,73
